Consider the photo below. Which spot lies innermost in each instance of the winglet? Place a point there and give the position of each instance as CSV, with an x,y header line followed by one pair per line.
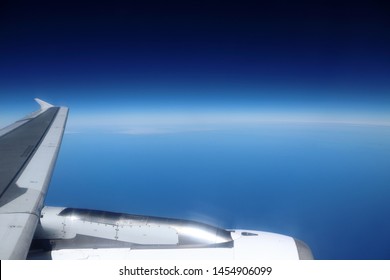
x,y
44,105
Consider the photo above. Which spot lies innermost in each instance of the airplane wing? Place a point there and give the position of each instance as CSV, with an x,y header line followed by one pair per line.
x,y
28,152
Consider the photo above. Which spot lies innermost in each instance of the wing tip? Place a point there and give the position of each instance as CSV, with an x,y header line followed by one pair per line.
x,y
44,105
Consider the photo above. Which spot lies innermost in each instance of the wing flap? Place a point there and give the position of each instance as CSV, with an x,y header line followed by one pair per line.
x,y
16,233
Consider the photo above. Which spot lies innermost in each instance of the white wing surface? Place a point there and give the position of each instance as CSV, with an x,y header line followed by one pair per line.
x,y
28,152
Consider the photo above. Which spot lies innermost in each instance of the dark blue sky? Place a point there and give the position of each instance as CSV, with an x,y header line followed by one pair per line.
x,y
187,51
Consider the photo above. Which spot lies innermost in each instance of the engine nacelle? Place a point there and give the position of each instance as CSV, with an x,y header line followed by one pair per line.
x,y
68,233
101,229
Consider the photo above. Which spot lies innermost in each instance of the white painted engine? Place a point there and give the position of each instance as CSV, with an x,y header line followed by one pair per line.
x,y
67,233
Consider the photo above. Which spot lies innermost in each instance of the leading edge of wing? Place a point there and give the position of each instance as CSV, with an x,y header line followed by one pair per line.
x,y
28,150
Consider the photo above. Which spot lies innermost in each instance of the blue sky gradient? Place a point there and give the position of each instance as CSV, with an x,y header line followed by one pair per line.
x,y
269,115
